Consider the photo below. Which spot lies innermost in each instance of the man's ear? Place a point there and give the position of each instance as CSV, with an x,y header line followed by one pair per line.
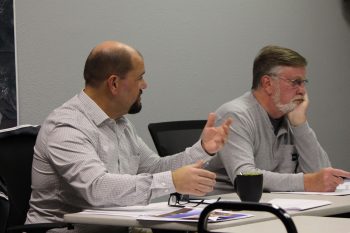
x,y
266,84
113,83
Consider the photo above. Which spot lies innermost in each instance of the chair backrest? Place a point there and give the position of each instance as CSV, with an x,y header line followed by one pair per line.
x,y
174,136
251,206
4,206
16,156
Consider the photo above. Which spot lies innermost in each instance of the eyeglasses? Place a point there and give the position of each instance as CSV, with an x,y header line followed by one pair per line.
x,y
179,200
293,82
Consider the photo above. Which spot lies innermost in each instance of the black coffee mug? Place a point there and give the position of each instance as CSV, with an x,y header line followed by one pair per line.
x,y
249,187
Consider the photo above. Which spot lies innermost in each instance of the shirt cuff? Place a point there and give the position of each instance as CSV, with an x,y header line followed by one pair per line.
x,y
162,184
301,130
197,152
299,185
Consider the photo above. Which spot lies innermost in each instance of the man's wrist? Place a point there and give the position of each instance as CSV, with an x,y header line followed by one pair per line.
x,y
210,154
297,122
308,182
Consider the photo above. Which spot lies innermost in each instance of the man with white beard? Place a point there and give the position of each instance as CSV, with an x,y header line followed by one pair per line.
x,y
271,134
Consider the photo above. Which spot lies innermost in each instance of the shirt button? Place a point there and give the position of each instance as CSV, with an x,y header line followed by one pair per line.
x,y
166,190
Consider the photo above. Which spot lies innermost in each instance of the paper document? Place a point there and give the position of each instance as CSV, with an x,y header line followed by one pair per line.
x,y
336,193
344,186
298,204
132,211
162,212
188,214
342,190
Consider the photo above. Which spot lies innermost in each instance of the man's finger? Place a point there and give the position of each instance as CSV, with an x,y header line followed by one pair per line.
x,y
207,174
211,120
207,182
228,121
196,192
340,173
205,188
198,164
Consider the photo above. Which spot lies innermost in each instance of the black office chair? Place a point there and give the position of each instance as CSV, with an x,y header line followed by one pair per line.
x,y
16,156
4,206
236,206
174,136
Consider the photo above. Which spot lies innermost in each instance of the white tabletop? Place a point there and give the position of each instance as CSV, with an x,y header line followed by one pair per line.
x,y
340,204
304,224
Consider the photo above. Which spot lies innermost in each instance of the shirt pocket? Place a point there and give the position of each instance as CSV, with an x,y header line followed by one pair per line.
x,y
287,159
109,156
133,164
129,159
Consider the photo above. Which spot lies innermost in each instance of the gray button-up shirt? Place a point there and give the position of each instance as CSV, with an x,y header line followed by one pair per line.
x,y
84,159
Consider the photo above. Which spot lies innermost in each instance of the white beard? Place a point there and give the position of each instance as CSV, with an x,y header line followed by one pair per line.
x,y
284,108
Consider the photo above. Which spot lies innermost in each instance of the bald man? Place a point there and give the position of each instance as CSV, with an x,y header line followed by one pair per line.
x,y
88,154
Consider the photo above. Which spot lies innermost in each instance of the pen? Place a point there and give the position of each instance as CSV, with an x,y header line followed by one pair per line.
x,y
343,177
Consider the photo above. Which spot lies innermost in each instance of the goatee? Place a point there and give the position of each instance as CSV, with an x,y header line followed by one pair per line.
x,y
135,108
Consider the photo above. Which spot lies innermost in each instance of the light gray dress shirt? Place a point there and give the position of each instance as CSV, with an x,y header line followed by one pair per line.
x,y
83,160
253,146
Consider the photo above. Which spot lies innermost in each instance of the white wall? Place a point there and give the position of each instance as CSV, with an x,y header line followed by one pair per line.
x,y
198,55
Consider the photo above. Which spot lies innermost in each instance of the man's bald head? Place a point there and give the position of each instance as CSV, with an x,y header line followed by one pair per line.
x,y
107,58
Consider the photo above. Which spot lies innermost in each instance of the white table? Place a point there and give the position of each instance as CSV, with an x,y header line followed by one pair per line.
x,y
340,204
304,224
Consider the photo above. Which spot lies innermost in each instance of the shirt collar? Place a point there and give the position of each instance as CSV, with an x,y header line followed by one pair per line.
x,y
96,113
284,126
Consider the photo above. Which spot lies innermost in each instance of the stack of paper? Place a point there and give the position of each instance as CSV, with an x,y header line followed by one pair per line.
x,y
344,186
188,214
342,190
298,204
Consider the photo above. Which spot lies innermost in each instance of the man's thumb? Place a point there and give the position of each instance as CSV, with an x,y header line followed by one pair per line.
x,y
199,164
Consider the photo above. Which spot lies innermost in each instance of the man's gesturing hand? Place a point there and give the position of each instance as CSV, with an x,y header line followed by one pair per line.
x,y
193,179
214,138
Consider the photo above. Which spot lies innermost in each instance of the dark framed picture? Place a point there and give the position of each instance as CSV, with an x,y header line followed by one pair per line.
x,y
8,85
